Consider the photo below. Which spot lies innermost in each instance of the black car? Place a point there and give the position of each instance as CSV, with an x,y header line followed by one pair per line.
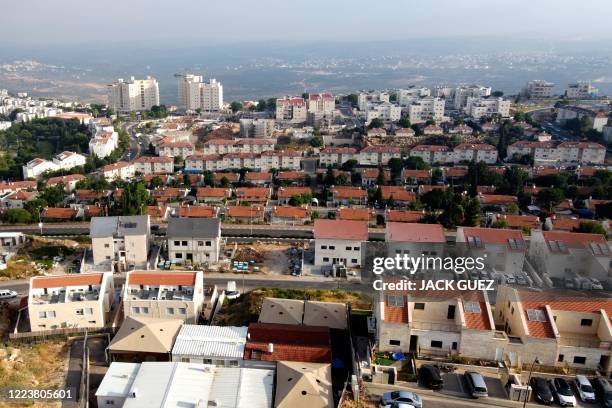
x,y
603,391
430,377
541,391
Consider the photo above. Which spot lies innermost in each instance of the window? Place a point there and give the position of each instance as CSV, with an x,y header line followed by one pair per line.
x,y
579,360
89,311
354,261
536,315
207,361
179,256
183,243
332,247
355,248
561,357
394,342
42,315
454,345
182,310
233,363
436,344
586,322
106,245
323,246
348,248
177,243
325,259
110,402
79,312
200,243
135,310
170,310
184,360
145,310
419,306
395,300
208,243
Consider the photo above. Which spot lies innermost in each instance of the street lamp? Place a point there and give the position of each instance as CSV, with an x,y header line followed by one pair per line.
x,y
536,361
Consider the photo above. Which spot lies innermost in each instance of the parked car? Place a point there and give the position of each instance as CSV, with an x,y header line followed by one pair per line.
x,y
596,284
430,377
399,405
569,283
584,389
603,391
521,280
510,280
476,384
404,397
7,294
562,392
541,391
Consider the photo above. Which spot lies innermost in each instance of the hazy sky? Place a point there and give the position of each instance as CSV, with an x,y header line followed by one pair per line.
x,y
211,21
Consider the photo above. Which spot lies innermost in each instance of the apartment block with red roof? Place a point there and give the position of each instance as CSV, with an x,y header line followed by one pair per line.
x,y
432,153
378,155
284,194
503,249
569,331
339,242
337,155
71,301
289,215
259,195
570,254
18,199
348,196
154,165
415,240
212,194
164,295
437,323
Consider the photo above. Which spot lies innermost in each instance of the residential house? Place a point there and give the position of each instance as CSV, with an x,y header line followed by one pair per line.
x,y
154,165
348,196
245,214
194,240
339,242
67,160
222,346
120,242
35,168
284,194
259,195
70,181
289,215
212,194
503,250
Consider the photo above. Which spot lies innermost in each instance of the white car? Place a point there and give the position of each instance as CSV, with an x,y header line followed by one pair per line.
x,y
7,294
399,405
584,388
562,392
596,284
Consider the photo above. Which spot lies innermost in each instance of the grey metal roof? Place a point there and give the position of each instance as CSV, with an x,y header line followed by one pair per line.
x,y
193,227
210,341
120,226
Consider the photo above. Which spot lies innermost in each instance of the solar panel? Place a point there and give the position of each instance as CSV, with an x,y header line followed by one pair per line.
x,y
471,307
394,300
536,315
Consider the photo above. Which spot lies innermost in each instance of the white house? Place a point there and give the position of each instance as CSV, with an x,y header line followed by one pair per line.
x,y
339,242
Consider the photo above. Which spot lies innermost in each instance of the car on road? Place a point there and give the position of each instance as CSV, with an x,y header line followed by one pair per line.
x,y
404,397
562,392
430,377
541,391
476,384
603,391
7,294
399,405
584,389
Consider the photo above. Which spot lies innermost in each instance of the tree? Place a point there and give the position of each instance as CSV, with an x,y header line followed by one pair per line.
x,y
376,123
512,208
316,141
156,182
53,195
471,208
591,227
415,163
436,176
497,94
236,106
404,122
134,199
18,216
380,179
378,195
330,178
396,165
271,104
550,197
35,206
452,216
435,199
349,165
261,105
353,100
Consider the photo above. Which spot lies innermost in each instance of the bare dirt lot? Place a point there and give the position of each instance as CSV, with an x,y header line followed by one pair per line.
x,y
272,258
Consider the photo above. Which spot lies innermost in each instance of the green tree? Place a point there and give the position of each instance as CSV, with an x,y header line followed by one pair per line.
x,y
550,197
404,122
330,179
380,179
471,212
376,123
591,227
261,106
236,106
316,141
396,165
349,165
415,163
18,216
512,208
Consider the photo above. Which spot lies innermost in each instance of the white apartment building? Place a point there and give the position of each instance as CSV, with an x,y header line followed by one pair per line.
x,y
406,96
67,160
475,152
104,142
174,148
385,111
542,152
291,109
540,89
154,165
121,170
133,95
366,98
223,146
321,105
462,94
120,242
581,152
378,155
71,301
565,113
222,346
194,240
195,93
35,168
503,249
581,90
163,295
422,110
339,242
569,254
432,154
280,159
478,107
337,155
256,128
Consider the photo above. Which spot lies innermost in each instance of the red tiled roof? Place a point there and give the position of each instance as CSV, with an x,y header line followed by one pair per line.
x,y
477,321
497,199
308,344
291,175
404,216
258,176
565,223
358,214
59,213
65,179
197,211
574,239
496,236
417,174
341,229
162,278
413,232
40,282
253,192
290,212
398,193
349,192
456,172
245,212
217,192
519,221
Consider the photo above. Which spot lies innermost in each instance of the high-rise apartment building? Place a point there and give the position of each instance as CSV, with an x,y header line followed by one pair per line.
x,y
195,93
133,95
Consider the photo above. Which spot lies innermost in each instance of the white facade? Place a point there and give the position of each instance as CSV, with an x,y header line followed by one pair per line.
x,y
37,167
133,95
67,160
425,109
581,89
406,96
477,107
154,165
385,111
291,109
366,98
540,89
462,94
195,93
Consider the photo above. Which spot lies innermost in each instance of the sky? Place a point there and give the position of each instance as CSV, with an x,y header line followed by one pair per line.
x,y
62,22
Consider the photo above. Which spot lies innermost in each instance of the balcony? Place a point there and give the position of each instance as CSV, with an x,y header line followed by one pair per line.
x,y
583,341
435,326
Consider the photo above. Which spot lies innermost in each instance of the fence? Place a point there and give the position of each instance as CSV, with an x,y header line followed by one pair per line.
x,y
44,335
